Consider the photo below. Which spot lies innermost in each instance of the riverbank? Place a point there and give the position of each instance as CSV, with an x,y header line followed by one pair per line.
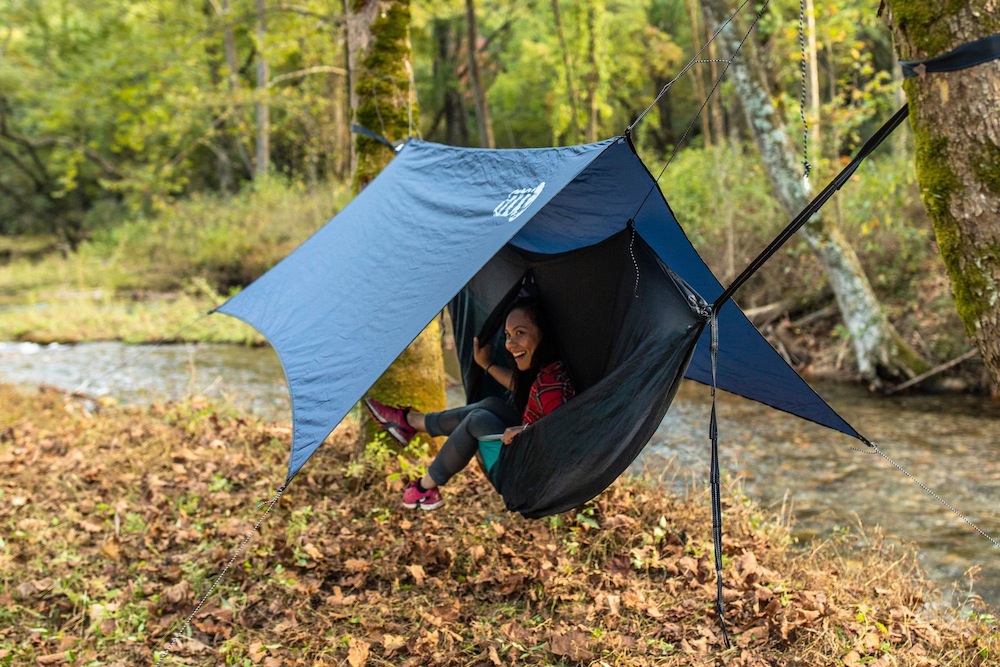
x,y
120,519
152,277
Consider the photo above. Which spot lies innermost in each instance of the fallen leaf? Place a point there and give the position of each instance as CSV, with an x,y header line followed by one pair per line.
x,y
393,643
572,644
52,659
357,652
257,652
313,552
357,565
417,571
178,592
752,636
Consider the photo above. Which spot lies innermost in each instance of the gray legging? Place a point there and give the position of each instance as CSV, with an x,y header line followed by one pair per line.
x,y
464,426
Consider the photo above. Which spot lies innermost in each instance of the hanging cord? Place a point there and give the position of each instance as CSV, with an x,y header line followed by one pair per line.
x,y
716,483
944,503
690,64
802,90
631,252
246,540
704,103
813,206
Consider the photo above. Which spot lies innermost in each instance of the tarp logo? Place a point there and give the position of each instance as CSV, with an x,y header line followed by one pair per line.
x,y
517,202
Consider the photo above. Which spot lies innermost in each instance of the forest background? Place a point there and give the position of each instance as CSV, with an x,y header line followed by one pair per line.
x,y
157,155
182,148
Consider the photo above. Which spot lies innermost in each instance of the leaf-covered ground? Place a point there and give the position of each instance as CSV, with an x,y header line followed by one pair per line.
x,y
115,522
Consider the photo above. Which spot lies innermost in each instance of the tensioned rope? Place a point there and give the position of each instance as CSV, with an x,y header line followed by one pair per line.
x,y
187,622
714,474
715,86
802,89
694,61
874,449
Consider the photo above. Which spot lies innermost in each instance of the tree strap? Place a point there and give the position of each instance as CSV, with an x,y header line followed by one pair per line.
x,y
375,136
813,206
961,57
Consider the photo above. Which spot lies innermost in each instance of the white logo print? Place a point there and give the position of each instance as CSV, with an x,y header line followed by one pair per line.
x,y
517,202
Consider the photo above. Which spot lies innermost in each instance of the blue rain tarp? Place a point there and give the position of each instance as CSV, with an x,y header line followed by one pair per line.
x,y
341,307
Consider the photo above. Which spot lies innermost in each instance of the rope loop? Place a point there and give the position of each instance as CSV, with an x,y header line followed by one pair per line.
x,y
802,90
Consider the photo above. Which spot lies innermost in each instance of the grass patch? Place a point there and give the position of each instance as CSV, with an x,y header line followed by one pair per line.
x,y
151,280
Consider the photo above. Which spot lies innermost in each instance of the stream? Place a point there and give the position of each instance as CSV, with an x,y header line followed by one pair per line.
x,y
947,442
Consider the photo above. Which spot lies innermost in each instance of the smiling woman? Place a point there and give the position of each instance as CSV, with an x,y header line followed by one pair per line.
x,y
538,384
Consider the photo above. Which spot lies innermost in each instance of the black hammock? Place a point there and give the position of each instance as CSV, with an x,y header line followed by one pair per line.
x,y
627,326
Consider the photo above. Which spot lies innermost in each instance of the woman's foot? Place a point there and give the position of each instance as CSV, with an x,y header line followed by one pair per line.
x,y
393,420
413,497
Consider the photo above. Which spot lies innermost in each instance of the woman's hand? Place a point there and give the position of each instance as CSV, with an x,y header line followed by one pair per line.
x,y
482,355
510,433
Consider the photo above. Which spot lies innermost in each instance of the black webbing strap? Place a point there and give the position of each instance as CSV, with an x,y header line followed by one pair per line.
x,y
813,206
375,136
716,483
713,429
964,56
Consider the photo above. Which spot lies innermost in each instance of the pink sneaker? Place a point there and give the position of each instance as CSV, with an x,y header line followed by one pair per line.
x,y
427,500
393,420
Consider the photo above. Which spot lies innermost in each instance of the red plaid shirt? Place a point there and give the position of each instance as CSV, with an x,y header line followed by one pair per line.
x,y
550,389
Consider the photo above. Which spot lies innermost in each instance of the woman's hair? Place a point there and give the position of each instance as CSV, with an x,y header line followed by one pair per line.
x,y
546,352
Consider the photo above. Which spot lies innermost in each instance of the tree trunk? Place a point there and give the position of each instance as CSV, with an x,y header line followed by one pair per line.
x,y
812,66
263,165
700,92
574,100
483,120
956,131
880,352
715,104
380,63
233,69
593,74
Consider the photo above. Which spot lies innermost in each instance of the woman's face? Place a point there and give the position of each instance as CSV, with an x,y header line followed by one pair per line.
x,y
522,336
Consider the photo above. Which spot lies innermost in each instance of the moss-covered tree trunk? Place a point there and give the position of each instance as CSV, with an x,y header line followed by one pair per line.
x,y
881,353
379,60
956,126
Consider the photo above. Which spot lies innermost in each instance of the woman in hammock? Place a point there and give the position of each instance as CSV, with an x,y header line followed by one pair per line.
x,y
538,384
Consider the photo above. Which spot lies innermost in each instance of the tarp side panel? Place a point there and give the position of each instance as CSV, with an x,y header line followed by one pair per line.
x,y
348,301
747,364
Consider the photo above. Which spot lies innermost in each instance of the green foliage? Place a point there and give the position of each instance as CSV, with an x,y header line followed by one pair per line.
x,y
228,241
524,65
123,105
722,198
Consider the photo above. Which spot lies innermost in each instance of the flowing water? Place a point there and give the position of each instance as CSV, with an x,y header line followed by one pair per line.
x,y
949,443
